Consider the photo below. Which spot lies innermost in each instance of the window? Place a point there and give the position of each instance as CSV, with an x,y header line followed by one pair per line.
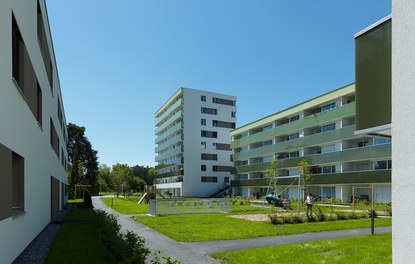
x,y
294,154
268,127
54,139
233,114
206,156
209,134
328,127
294,118
216,100
226,179
329,169
60,113
209,179
203,98
203,167
379,140
203,122
267,159
17,182
364,167
293,136
39,105
210,111
214,123
363,144
267,143
328,148
24,74
383,165
328,107
44,47
203,144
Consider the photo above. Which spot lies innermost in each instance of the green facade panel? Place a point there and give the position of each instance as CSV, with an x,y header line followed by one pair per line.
x,y
316,139
308,121
348,155
374,77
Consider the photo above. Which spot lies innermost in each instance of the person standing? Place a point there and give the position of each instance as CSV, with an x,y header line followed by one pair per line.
x,y
309,203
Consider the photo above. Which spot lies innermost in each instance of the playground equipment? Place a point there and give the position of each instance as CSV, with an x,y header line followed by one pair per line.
x,y
150,192
275,200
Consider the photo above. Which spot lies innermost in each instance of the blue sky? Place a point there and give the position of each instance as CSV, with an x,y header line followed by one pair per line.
x,y
119,61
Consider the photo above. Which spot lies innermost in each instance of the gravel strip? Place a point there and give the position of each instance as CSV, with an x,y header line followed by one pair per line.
x,y
37,251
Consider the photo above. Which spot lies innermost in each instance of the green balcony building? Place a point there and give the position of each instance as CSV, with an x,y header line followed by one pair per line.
x,y
321,131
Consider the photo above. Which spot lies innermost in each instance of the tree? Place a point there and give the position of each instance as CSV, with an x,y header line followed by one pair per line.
x,y
306,177
151,176
272,173
105,180
136,184
75,176
81,147
121,174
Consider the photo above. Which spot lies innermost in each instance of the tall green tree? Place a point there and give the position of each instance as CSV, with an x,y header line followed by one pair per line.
x,y
272,173
105,180
306,177
121,175
75,176
80,146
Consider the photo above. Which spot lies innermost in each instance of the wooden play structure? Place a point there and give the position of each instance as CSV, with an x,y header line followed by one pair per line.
x,y
150,192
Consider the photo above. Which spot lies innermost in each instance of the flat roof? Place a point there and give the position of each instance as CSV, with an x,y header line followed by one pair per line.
x,y
377,23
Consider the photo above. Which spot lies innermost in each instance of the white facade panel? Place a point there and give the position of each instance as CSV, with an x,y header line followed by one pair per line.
x,y
403,147
22,134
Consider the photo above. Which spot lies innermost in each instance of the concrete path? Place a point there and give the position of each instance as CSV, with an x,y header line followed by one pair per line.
x,y
198,252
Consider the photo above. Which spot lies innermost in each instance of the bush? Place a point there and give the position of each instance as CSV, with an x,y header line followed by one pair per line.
x,y
354,216
310,218
296,219
370,213
341,216
87,199
127,248
321,217
274,219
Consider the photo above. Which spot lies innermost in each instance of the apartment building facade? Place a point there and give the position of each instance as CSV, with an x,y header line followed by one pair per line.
x,y
33,155
321,131
193,143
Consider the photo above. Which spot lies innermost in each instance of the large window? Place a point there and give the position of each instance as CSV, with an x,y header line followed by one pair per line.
x,y
24,74
383,165
209,179
54,139
44,46
328,127
17,182
206,156
209,134
328,107
329,169
210,111
293,136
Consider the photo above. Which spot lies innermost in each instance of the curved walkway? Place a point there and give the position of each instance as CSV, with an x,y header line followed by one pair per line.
x,y
198,252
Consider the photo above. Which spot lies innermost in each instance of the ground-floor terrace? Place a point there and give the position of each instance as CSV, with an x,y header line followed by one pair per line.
x,y
339,186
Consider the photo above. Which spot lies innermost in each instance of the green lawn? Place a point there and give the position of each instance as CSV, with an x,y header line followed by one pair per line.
x,y
205,227
127,205
374,249
79,242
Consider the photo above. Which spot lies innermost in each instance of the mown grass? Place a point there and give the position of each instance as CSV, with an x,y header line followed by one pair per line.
x,y
79,241
206,227
368,249
127,205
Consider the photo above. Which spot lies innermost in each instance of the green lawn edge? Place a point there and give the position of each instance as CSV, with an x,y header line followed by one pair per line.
x,y
376,249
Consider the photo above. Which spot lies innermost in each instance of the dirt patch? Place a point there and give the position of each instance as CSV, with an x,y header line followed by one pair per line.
x,y
252,217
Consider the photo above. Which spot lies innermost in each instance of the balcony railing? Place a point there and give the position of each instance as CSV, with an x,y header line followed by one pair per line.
x,y
288,128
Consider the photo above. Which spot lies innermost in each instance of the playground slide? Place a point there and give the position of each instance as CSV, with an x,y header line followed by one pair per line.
x,y
142,198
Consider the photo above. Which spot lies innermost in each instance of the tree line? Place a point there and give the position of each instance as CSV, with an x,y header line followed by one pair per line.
x,y
85,172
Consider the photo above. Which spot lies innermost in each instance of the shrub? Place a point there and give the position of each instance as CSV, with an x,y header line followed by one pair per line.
x,y
287,219
274,219
241,203
310,218
296,219
321,217
341,216
354,216
389,211
87,199
127,248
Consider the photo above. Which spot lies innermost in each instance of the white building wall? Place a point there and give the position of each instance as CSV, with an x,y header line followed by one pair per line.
x,y
21,133
403,113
